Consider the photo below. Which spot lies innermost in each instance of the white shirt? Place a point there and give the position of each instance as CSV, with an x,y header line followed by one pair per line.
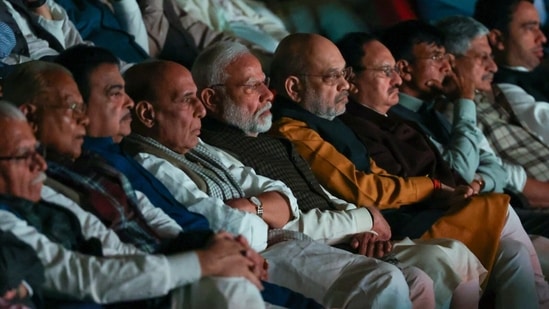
x,y
327,226
124,273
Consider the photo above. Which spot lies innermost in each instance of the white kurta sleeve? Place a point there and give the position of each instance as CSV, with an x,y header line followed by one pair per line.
x,y
104,279
219,215
157,219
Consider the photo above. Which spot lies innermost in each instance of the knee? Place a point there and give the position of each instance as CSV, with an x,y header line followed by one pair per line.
x,y
419,282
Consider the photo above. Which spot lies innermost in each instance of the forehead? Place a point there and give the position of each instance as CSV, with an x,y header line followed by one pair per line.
x,y
63,84
105,74
480,45
375,53
14,134
324,55
244,67
427,48
175,78
524,12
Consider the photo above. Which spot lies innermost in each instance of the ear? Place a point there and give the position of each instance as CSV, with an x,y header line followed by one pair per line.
x,y
210,99
30,111
144,111
405,70
294,88
496,39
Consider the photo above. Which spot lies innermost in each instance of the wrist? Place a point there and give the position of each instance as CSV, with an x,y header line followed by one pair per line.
x,y
258,205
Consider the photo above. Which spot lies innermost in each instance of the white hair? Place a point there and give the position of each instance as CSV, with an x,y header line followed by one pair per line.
x,y
9,111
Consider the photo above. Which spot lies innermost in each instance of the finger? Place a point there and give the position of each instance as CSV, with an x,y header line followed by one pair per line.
x,y
371,249
354,243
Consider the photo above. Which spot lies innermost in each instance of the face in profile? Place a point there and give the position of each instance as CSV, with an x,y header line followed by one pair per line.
x,y
245,99
177,109
377,80
523,45
109,107
325,82
478,60
21,166
60,117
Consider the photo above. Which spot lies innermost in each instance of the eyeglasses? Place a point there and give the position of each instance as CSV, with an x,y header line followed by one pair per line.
x,y
484,59
437,57
28,155
249,88
386,69
78,108
332,77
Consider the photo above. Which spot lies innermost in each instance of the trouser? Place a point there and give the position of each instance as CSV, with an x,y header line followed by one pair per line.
x,y
337,279
449,264
218,292
518,263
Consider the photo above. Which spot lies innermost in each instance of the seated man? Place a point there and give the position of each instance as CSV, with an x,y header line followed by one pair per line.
x,y
235,123
312,90
109,113
85,261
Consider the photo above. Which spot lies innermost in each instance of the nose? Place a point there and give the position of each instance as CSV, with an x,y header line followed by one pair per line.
x,y
446,65
491,65
128,102
83,119
38,163
199,109
343,85
396,80
541,37
266,94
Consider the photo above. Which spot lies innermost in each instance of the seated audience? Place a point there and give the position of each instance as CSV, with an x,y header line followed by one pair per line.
x,y
110,121
311,91
98,188
234,123
85,261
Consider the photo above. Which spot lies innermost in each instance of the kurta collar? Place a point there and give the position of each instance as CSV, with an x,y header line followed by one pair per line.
x,y
412,103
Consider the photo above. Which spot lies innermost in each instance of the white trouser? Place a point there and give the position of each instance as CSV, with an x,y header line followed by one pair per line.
x,y
448,262
518,262
337,279
218,292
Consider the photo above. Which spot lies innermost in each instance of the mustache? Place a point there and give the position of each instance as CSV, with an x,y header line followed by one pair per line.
x,y
342,95
265,108
40,178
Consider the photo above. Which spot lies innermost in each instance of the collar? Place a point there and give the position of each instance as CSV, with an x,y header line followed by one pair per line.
x,y
98,142
517,68
409,102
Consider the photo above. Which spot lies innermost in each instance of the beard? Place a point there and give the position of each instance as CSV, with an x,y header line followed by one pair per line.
x,y
250,124
321,107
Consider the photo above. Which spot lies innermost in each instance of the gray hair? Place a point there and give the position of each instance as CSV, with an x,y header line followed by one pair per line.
x,y
459,31
28,80
209,67
9,111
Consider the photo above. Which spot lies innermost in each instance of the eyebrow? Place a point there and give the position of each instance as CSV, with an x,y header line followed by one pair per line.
x,y
113,87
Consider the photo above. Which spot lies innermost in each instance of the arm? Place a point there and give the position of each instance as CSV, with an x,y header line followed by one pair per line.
x,y
219,215
339,175
129,15
534,115
104,279
462,152
161,223
60,25
330,226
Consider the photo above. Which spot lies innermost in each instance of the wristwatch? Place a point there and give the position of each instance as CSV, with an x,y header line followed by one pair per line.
x,y
258,206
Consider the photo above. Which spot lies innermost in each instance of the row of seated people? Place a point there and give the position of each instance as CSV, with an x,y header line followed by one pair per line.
x,y
207,173
108,256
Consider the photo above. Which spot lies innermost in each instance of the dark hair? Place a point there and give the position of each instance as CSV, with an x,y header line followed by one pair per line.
x,y
496,14
401,38
351,49
82,60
